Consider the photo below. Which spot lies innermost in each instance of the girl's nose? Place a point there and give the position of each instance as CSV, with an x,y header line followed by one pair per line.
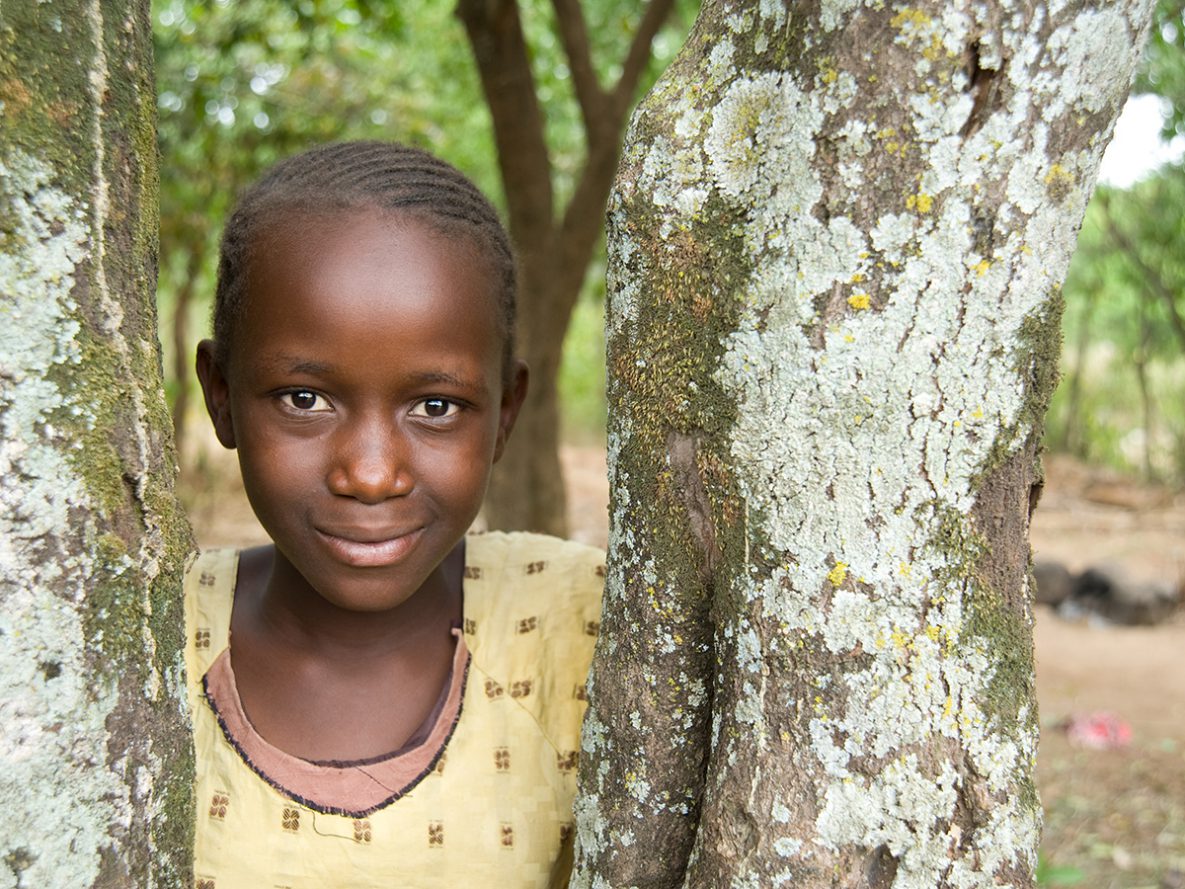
x,y
370,464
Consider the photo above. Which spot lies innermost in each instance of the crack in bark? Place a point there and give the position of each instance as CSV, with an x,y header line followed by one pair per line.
x,y
984,84
682,450
880,868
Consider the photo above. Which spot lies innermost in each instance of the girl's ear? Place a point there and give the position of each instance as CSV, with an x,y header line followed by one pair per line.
x,y
513,395
217,393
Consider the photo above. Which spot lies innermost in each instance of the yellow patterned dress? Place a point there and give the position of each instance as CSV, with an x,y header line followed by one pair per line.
x,y
486,798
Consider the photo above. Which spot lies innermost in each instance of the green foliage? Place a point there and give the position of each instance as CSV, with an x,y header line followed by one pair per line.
x,y
582,373
1125,297
1057,875
1163,72
242,84
1122,398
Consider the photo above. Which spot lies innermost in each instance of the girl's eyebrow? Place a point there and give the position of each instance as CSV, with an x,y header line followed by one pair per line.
x,y
293,365
440,376
290,364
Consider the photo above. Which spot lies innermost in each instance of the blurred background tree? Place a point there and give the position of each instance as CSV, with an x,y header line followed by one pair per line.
x,y
242,84
1122,398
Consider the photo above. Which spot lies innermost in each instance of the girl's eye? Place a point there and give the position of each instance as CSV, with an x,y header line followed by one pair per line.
x,y
304,400
436,408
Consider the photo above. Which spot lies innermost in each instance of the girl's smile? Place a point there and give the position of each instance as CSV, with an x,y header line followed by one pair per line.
x,y
370,548
368,398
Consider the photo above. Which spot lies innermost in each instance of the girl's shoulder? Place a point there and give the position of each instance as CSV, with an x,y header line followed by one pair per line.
x,y
209,594
532,610
526,547
211,568
519,570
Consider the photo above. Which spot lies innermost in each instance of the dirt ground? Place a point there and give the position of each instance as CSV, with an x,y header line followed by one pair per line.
x,y
1115,819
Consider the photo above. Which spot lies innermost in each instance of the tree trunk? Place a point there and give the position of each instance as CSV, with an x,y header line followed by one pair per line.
x,y
527,487
1141,356
554,249
182,343
1075,438
95,759
836,246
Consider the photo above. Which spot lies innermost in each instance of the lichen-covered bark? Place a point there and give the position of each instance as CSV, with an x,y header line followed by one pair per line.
x,y
95,758
836,245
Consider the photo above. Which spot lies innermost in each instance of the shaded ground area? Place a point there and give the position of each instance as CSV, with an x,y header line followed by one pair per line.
x,y
1115,819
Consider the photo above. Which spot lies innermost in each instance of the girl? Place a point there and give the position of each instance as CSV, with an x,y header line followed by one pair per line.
x,y
378,700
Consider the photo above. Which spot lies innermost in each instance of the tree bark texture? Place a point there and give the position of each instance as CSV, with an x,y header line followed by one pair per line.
x,y
836,245
554,247
95,759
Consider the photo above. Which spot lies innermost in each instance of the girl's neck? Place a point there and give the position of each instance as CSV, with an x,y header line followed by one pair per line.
x,y
284,606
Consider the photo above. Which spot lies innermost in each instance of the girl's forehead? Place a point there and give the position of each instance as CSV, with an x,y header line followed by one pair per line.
x,y
372,270
312,237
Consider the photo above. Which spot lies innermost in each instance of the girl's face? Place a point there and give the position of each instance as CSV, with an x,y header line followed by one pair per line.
x,y
365,394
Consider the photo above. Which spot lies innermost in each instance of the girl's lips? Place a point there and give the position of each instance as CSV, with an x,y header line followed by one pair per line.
x,y
370,553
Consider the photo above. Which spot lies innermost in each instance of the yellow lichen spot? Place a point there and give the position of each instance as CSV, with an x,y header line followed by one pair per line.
x,y
678,639
921,202
848,338
981,267
859,301
1026,249
933,632
900,640
908,16
784,735
977,414
830,75
1059,181
879,642
1058,173
838,574
858,419
904,569
948,707
857,278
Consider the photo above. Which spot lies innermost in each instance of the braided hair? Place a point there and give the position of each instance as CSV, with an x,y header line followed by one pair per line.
x,y
380,175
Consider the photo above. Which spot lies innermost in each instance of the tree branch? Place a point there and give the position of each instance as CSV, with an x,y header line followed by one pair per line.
x,y
582,218
1150,275
574,36
500,51
639,54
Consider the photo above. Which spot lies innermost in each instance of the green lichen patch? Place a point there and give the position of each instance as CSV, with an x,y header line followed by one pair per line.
x,y
44,99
